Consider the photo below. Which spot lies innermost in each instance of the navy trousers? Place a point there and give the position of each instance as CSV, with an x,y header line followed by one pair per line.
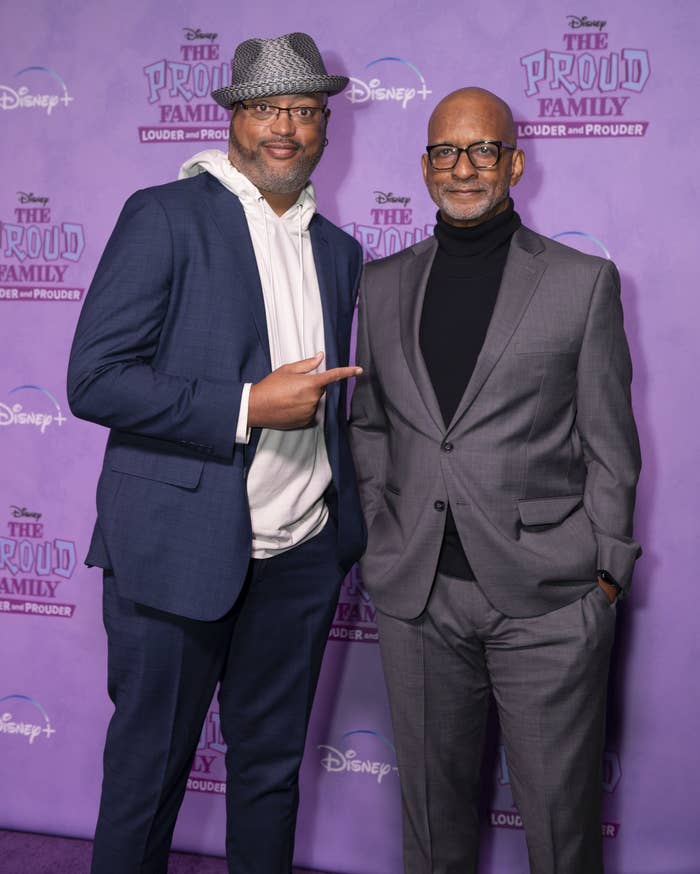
x,y
162,672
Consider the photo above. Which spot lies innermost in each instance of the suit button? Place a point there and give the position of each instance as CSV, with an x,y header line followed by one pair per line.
x,y
447,447
439,506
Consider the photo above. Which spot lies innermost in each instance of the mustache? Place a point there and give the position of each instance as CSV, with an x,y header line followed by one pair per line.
x,y
286,141
461,189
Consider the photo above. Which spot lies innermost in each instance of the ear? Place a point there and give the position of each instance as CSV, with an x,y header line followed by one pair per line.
x,y
424,166
517,167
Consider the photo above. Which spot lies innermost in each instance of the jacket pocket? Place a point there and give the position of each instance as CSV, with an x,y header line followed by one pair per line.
x,y
548,511
165,467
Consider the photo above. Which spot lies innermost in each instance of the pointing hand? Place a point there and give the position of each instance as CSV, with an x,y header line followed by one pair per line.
x,y
288,397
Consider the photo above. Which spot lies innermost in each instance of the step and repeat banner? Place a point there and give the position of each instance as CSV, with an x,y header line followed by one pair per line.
x,y
99,99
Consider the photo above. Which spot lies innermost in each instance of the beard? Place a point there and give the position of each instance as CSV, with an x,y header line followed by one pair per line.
x,y
282,180
491,202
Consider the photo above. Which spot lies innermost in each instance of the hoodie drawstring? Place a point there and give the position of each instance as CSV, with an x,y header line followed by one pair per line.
x,y
273,326
301,284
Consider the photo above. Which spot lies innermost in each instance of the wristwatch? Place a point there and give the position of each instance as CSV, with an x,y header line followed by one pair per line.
x,y
609,578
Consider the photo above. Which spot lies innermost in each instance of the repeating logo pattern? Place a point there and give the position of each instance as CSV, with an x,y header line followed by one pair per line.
x,y
390,227
355,615
35,88
38,253
585,87
208,773
24,719
34,568
405,83
363,754
43,414
178,93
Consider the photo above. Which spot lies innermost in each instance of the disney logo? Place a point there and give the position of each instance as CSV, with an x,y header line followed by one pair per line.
x,y
334,761
23,99
15,415
361,92
31,198
26,729
576,21
23,513
390,197
196,33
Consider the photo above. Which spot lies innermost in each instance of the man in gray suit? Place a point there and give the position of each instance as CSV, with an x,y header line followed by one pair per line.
x,y
498,458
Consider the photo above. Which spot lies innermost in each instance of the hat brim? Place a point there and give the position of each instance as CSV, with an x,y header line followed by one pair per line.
x,y
330,85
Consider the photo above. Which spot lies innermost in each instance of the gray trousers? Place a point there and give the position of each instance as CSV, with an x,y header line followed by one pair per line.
x,y
548,675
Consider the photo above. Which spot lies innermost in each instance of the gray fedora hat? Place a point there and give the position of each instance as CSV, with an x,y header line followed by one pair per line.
x,y
289,64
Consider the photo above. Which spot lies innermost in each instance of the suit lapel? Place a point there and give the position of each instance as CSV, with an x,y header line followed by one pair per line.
x,y
230,219
325,273
521,276
412,284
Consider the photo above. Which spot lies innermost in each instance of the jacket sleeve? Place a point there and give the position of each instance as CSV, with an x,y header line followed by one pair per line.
x,y
112,378
368,422
606,426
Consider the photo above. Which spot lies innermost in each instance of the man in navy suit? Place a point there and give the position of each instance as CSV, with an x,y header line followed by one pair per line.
x,y
214,344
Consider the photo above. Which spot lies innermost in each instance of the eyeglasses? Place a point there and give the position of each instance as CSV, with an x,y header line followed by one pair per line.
x,y
264,112
483,155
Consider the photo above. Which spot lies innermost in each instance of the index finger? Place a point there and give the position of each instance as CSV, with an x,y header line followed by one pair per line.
x,y
335,374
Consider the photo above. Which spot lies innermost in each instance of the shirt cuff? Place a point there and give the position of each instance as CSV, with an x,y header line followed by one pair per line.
x,y
242,429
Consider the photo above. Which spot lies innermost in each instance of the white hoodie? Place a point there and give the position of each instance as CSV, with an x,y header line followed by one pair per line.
x,y
290,472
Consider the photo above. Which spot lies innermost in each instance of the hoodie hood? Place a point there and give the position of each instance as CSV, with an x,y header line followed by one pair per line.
x,y
216,162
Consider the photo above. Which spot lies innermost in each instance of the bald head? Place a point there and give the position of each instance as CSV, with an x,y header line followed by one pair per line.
x,y
478,105
467,192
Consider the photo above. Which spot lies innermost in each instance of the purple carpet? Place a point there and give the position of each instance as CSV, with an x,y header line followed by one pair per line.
x,y
26,853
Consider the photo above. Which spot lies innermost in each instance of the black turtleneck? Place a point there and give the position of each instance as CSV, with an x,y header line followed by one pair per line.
x,y
459,301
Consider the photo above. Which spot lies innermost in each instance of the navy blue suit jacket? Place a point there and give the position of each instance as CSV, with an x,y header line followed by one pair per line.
x,y
172,327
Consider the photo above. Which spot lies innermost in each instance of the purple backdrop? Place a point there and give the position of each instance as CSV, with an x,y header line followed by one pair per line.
x,y
97,100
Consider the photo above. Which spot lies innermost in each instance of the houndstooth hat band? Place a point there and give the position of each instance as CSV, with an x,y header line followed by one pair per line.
x,y
289,64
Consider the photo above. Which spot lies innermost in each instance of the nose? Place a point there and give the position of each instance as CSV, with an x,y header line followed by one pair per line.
x,y
283,124
464,169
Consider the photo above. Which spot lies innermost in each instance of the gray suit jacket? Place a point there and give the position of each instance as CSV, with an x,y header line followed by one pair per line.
x,y
541,459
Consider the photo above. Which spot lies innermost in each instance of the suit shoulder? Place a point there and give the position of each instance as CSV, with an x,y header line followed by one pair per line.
x,y
179,191
556,251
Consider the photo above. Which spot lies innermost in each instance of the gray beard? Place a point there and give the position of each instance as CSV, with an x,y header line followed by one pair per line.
x,y
473,213
265,178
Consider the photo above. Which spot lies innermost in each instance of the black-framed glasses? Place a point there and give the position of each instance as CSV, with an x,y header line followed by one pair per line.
x,y
262,112
483,155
